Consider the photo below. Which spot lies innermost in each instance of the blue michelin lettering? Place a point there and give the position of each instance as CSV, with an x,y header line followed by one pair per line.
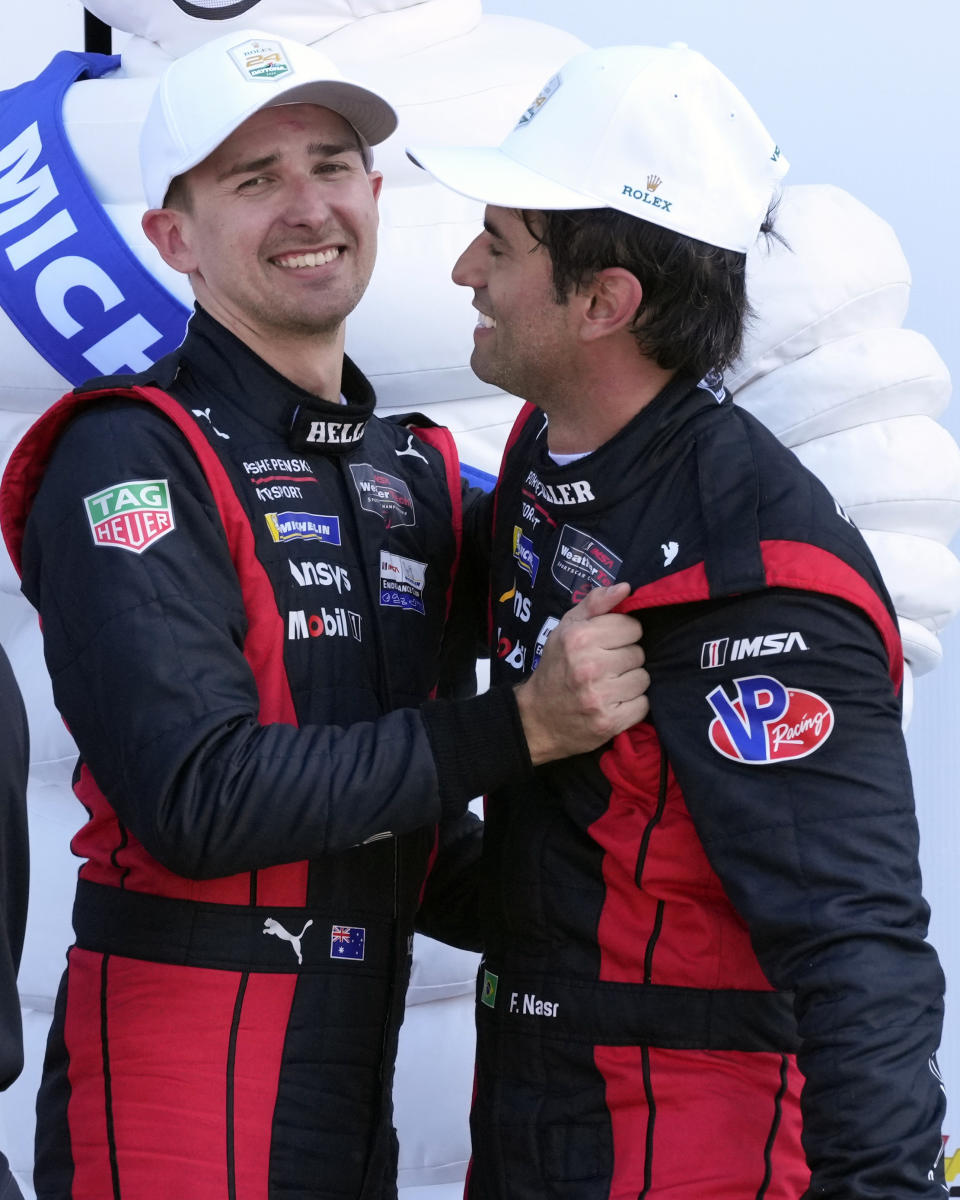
x,y
65,271
761,700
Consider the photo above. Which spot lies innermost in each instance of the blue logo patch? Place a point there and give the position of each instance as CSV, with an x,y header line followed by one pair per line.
x,y
303,527
523,553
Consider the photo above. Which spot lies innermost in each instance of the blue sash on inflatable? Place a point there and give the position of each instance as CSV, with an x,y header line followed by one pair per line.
x,y
68,281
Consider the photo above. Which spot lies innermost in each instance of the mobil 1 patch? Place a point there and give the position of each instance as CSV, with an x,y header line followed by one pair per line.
x,y
132,515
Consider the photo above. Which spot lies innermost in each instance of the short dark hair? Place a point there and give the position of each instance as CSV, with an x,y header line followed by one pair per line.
x,y
694,306
178,195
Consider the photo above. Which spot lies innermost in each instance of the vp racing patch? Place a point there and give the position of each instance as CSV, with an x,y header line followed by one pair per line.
x,y
386,495
130,515
766,722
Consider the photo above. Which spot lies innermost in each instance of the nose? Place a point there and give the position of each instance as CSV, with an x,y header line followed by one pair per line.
x,y
468,270
305,202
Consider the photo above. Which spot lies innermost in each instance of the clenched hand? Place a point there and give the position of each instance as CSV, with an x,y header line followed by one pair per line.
x,y
590,683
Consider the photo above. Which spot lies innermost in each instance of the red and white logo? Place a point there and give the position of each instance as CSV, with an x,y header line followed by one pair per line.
x,y
766,722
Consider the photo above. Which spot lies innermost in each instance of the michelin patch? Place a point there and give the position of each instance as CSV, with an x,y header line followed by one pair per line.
x,y
581,563
132,515
523,552
386,495
401,582
303,527
766,722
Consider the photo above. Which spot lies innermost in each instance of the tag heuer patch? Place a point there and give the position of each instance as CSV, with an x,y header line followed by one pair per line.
x,y
488,995
131,515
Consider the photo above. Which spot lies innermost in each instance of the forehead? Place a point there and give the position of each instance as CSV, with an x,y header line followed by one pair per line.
x,y
280,126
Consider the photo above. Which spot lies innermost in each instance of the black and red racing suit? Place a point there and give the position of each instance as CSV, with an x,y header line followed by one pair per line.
x,y
704,945
244,595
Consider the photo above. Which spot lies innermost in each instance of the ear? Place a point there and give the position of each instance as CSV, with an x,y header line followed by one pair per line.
x,y
610,302
168,230
376,183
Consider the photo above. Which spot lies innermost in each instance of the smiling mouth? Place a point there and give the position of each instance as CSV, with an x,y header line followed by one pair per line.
x,y
485,322
315,258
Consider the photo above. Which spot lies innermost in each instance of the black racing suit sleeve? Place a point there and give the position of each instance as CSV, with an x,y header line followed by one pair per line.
x,y
819,856
465,636
145,652
450,904
14,885
449,908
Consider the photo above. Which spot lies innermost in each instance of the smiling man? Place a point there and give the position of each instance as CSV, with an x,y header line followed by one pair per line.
x,y
245,580
705,970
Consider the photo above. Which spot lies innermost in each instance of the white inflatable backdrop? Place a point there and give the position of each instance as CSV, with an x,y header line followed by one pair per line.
x,y
828,366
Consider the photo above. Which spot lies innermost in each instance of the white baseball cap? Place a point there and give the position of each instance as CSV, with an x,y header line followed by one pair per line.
x,y
205,95
656,132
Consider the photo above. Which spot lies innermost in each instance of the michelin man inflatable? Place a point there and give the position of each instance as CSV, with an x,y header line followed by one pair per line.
x,y
827,366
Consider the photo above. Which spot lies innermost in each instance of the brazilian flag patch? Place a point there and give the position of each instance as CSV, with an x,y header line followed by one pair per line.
x,y
489,994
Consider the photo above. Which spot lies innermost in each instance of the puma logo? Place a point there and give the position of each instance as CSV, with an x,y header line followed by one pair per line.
x,y
670,552
205,413
274,927
410,450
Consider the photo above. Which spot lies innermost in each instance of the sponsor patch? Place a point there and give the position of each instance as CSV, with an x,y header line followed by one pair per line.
x,y
715,653
577,492
581,563
712,382
523,553
545,630
549,88
347,941
319,574
401,582
258,59
303,527
488,994
130,515
386,495
335,622
271,470
766,722
514,654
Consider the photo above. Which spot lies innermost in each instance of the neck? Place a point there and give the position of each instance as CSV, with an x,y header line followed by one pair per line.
x,y
313,360
607,400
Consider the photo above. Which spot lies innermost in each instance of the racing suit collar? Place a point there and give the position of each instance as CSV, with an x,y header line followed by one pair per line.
x,y
221,361
611,472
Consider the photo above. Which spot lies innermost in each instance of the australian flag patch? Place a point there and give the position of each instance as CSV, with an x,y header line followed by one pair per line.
x,y
346,941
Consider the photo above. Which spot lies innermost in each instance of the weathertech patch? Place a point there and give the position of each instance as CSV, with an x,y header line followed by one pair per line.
x,y
131,515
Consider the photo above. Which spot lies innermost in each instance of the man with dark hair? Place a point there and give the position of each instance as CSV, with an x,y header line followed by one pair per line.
x,y
245,579
705,968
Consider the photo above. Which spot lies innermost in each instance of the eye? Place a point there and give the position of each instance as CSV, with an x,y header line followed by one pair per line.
x,y
254,182
493,251
334,167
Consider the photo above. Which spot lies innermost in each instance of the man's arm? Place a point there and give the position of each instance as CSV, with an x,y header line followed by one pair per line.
x,y
146,657
808,820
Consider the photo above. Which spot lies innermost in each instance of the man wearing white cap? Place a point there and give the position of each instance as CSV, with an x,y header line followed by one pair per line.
x,y
705,971
244,578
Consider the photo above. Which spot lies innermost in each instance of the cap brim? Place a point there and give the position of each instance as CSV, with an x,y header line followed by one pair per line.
x,y
372,117
486,173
